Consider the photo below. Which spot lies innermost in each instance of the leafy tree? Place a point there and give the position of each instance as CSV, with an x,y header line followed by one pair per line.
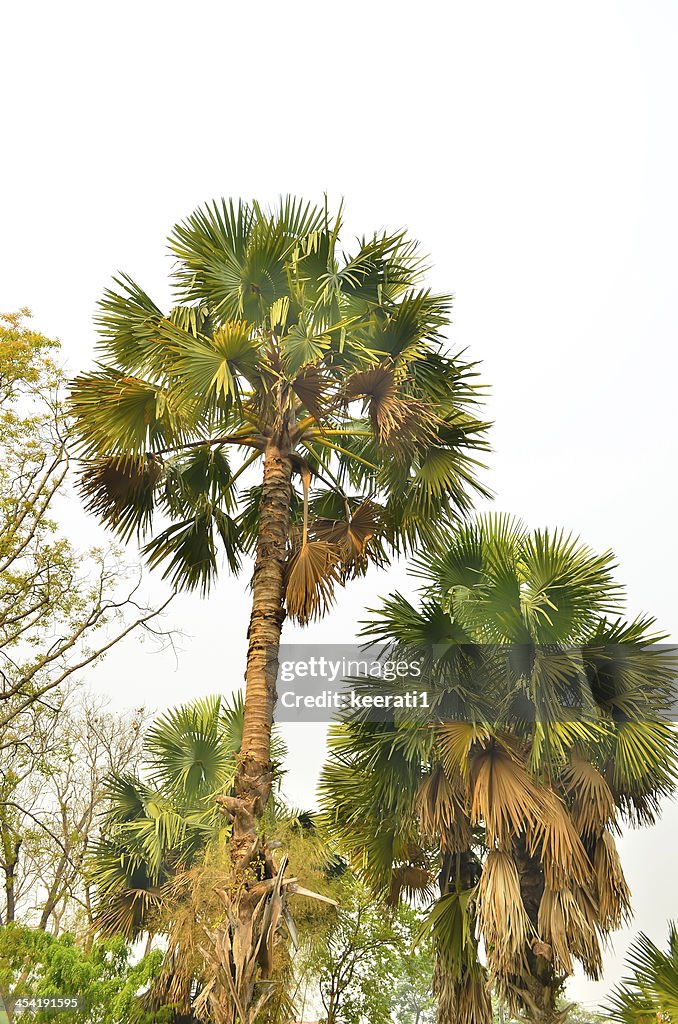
x,y
360,964
34,963
60,609
507,799
323,373
649,995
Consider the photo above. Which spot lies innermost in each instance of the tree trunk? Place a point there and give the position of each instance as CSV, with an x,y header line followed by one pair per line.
x,y
539,987
243,945
54,894
10,865
254,774
462,988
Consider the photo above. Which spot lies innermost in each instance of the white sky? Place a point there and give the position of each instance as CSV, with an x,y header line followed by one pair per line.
x,y
532,148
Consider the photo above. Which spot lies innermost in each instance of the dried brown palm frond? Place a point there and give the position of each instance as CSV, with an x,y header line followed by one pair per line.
x,y
310,387
592,799
442,807
392,413
502,918
504,797
463,998
586,947
378,387
120,489
190,903
124,913
351,537
614,896
411,880
558,844
567,922
236,949
312,575
455,741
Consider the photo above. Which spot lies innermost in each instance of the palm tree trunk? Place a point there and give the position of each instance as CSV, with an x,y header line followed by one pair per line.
x,y
254,774
539,986
243,944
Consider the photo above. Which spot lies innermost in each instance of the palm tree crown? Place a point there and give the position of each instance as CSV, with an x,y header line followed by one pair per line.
x,y
160,820
275,334
508,801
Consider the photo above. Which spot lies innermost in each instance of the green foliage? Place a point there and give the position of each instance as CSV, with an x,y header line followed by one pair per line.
x,y
509,794
277,335
362,964
649,994
160,822
60,608
34,963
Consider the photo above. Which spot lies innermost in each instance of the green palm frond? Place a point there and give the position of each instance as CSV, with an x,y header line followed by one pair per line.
x,y
189,549
217,369
121,415
190,754
650,992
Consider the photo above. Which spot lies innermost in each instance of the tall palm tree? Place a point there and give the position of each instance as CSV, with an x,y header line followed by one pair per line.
x,y
649,995
548,731
326,371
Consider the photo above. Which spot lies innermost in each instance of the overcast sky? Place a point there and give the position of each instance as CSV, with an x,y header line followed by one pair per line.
x,y
531,147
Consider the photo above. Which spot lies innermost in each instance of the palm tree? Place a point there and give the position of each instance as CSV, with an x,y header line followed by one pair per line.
x,y
650,994
161,833
159,823
329,373
548,732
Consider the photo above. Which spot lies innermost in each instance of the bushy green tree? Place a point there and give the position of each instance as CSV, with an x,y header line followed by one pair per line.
x,y
364,963
34,963
60,608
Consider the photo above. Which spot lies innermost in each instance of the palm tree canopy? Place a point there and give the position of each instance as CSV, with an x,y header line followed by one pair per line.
x,y
509,796
157,823
274,324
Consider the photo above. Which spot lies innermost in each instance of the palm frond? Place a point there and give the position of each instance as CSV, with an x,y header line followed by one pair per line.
x,y
121,490
189,548
502,918
312,576
504,798
593,804
649,994
614,896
